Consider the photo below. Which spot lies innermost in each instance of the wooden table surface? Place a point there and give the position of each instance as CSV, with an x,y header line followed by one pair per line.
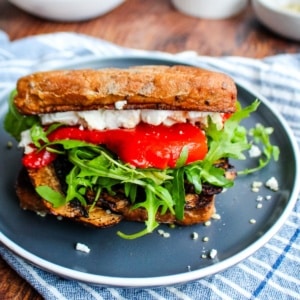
x,y
151,25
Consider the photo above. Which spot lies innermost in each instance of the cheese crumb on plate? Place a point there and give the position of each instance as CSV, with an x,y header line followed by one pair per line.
x,y
82,247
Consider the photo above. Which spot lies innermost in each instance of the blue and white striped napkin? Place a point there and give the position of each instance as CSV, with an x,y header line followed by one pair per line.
x,y
273,272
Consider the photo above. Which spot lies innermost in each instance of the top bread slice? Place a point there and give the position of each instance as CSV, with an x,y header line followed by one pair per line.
x,y
141,87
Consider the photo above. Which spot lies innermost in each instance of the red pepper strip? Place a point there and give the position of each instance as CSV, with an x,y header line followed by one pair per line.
x,y
145,145
38,159
226,116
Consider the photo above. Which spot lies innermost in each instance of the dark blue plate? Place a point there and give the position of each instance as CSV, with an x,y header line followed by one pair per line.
x,y
153,260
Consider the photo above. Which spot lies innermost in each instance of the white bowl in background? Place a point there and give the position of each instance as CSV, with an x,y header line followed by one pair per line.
x,y
280,16
67,10
210,9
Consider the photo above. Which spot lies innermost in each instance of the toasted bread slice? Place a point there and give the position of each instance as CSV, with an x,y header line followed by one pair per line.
x,y
111,209
146,87
30,200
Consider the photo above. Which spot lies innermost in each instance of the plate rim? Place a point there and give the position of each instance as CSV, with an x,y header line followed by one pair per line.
x,y
138,282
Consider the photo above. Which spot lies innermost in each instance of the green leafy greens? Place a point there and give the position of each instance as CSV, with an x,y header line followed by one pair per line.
x,y
97,169
261,136
14,122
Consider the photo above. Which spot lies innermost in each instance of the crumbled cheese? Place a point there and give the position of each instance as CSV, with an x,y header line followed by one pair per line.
x,y
207,223
213,253
252,221
112,119
216,216
203,256
259,205
26,141
254,151
268,197
166,235
120,104
256,185
272,184
205,239
41,213
259,198
82,247
163,233
195,235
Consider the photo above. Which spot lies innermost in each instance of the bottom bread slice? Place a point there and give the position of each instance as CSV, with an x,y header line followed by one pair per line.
x,y
109,209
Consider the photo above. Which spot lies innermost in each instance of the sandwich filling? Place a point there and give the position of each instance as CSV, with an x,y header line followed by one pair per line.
x,y
141,138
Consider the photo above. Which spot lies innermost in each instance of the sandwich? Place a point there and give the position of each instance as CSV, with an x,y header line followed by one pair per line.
x,y
147,144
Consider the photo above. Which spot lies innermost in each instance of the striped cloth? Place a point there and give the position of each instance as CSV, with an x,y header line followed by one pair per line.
x,y
270,273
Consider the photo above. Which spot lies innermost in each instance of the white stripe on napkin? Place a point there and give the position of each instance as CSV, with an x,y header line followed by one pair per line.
x,y
270,282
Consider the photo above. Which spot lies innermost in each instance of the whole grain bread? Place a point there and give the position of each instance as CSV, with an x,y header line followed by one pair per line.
x,y
142,87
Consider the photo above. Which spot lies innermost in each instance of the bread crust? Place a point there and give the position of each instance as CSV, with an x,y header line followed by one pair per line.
x,y
30,200
143,87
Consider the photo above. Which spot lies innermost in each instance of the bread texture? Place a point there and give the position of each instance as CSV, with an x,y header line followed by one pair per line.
x,y
142,87
30,200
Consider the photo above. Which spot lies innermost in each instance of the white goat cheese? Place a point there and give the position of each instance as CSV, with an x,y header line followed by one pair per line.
x,y
254,151
213,253
272,184
112,119
82,247
25,141
256,185
195,235
216,216
120,104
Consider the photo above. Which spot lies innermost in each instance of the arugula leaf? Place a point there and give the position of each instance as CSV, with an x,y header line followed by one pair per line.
x,y
229,142
232,141
193,173
38,133
261,135
50,195
96,169
130,190
151,204
183,157
77,186
14,122
178,192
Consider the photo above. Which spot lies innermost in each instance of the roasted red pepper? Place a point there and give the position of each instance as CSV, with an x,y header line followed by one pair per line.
x,y
143,146
38,159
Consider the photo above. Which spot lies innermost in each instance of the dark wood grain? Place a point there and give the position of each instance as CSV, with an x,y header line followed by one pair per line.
x,y
12,286
156,25
152,25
